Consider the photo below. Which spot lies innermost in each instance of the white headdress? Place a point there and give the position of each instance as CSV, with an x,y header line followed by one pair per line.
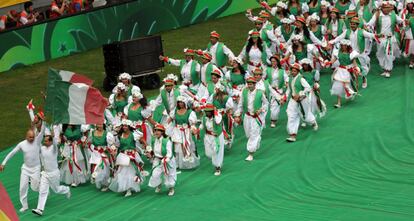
x,y
125,76
121,86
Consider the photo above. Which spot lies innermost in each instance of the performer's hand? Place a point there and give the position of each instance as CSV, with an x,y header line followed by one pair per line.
x,y
1,168
295,97
249,11
161,58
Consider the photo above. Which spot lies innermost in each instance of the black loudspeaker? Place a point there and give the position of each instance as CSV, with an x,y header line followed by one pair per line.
x,y
138,57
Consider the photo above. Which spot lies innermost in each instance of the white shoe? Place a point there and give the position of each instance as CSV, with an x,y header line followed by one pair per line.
x,y
68,195
145,173
411,66
272,125
104,189
337,106
315,126
23,209
249,158
37,212
158,189
74,185
128,193
291,139
383,73
171,192
217,173
303,124
365,84
387,75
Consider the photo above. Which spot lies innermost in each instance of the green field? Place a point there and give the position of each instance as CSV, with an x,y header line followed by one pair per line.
x,y
358,166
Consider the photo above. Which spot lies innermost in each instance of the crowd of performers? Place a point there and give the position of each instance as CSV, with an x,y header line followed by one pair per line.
x,y
280,63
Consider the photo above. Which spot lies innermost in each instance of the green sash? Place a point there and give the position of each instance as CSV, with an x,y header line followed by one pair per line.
x,y
393,22
360,37
195,78
221,58
164,98
257,103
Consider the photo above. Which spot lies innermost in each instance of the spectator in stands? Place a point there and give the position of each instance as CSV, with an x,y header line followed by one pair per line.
x,y
28,15
79,5
9,21
55,10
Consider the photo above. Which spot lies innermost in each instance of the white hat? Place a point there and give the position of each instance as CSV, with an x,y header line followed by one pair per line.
x,y
297,37
325,3
345,42
85,127
388,3
236,93
181,99
314,16
220,87
137,95
286,21
121,86
305,61
172,77
281,4
125,76
238,60
126,122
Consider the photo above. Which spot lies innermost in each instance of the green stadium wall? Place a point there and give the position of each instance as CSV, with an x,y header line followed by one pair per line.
x,y
78,33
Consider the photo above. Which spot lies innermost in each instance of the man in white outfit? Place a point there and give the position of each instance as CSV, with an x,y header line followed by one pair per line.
x,y
50,175
253,104
30,172
298,107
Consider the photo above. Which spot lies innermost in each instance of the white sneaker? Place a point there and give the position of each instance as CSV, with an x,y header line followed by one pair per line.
x,y
158,189
337,106
387,75
37,212
23,209
315,126
365,84
411,66
104,189
291,139
383,73
68,195
249,158
74,185
171,192
303,124
128,193
272,125
217,173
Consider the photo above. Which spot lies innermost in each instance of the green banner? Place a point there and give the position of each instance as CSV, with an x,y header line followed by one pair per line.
x,y
131,20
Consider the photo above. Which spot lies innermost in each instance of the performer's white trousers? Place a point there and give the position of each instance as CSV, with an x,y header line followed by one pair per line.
x,y
158,173
253,131
211,152
32,175
52,180
294,114
386,60
274,110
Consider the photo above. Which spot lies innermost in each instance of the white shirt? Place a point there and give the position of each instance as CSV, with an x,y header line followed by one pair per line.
x,y
49,157
158,148
31,151
170,98
186,69
204,69
209,122
353,37
226,51
306,87
385,23
250,102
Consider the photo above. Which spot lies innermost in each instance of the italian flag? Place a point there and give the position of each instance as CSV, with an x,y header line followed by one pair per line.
x,y
74,103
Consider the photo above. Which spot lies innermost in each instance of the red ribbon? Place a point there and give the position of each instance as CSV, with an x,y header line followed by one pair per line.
x,y
75,162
